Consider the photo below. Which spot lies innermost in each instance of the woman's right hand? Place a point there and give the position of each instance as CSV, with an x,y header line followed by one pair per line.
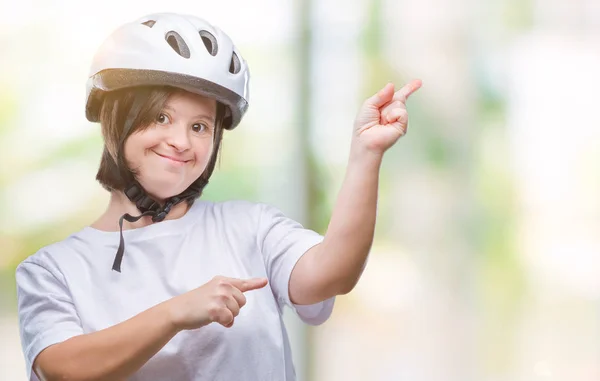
x,y
217,301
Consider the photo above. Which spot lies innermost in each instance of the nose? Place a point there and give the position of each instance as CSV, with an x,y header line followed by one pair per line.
x,y
178,138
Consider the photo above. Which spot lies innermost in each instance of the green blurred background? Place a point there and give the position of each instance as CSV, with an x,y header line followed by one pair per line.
x,y
486,261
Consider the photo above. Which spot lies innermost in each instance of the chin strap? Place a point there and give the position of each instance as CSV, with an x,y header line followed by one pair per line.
x,y
149,207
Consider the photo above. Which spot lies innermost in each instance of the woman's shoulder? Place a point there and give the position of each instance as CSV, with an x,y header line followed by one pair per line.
x,y
51,255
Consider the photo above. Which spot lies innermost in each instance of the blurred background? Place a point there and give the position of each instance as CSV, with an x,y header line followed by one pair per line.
x,y
486,261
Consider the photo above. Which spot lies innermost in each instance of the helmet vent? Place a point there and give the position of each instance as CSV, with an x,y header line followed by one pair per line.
x,y
210,42
234,66
149,23
178,44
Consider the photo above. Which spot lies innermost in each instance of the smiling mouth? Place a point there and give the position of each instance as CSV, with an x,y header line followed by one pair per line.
x,y
172,159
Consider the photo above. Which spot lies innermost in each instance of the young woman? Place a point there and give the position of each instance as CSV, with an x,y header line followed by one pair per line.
x,y
134,295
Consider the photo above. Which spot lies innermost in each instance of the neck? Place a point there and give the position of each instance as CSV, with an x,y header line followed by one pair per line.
x,y
119,204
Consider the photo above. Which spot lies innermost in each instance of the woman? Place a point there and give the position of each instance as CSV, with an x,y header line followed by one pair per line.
x,y
134,295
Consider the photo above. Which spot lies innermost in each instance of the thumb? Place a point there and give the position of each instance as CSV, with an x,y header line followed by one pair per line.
x,y
382,97
249,284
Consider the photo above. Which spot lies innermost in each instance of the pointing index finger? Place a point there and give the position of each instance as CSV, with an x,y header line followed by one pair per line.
x,y
248,284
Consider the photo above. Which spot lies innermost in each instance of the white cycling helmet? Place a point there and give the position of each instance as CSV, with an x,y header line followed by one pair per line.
x,y
168,49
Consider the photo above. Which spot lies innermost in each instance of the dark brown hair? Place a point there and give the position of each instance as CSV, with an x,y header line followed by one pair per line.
x,y
126,111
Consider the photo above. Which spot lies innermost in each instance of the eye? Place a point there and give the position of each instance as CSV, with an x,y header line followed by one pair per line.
x,y
162,119
199,127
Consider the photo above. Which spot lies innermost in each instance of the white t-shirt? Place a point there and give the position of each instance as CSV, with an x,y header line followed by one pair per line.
x,y
69,288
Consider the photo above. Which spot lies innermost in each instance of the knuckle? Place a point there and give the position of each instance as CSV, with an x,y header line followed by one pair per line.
x,y
222,298
214,310
224,287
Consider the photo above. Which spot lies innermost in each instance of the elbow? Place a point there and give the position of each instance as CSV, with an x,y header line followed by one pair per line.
x,y
63,362
50,374
56,375
345,286
59,372
49,370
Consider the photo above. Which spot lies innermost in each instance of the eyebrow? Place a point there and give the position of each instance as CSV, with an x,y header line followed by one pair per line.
x,y
208,116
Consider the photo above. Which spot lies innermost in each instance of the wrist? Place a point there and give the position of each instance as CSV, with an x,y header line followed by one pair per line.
x,y
171,315
362,154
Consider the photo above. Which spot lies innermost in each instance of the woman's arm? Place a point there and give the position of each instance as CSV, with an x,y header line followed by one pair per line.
x,y
117,352
113,353
334,266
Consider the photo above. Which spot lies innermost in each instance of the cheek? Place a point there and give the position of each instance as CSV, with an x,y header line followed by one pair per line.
x,y
136,149
204,153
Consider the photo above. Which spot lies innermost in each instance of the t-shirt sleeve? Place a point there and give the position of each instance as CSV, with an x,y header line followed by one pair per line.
x,y
283,241
47,315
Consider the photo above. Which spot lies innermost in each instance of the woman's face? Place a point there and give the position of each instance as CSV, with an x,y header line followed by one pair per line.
x,y
173,152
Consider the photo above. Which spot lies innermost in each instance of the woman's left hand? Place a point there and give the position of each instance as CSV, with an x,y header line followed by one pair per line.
x,y
383,118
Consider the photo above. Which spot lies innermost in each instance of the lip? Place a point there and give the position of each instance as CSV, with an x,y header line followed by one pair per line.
x,y
172,159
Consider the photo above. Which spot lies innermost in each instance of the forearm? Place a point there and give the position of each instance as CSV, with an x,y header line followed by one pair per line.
x,y
113,353
344,251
